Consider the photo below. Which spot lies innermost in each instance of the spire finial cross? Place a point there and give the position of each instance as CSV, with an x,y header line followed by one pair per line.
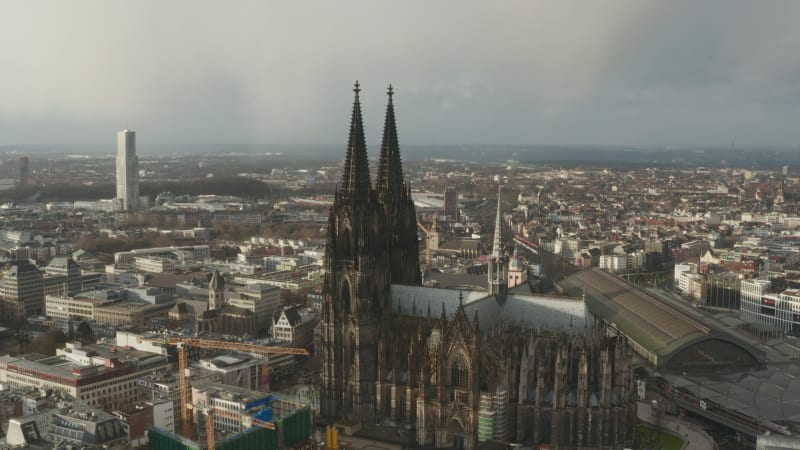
x,y
390,91
357,88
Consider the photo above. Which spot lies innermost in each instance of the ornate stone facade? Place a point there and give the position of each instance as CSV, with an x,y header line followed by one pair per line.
x,y
429,371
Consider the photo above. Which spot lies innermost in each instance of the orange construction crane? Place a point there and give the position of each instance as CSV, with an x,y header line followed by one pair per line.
x,y
183,343
210,432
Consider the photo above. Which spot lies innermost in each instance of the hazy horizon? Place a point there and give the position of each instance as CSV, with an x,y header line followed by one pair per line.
x,y
570,73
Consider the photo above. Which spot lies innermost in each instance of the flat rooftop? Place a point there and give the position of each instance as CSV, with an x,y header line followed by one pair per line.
x,y
227,392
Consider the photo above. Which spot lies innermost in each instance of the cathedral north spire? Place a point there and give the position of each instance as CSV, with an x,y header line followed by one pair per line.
x,y
355,178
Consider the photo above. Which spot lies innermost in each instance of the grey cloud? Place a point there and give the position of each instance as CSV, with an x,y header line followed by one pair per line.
x,y
571,71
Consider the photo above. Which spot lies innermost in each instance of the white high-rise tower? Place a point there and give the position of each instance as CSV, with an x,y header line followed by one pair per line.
x,y
127,170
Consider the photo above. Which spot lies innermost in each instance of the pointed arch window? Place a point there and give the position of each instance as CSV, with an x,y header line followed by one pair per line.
x,y
346,302
346,240
459,375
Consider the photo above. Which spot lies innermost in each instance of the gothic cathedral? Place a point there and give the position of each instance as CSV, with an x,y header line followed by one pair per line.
x,y
444,376
372,242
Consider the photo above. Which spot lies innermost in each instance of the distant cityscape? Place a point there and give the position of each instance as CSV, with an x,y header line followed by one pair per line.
x,y
273,301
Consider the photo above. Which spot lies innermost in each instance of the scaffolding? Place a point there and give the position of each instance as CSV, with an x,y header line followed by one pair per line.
x,y
493,416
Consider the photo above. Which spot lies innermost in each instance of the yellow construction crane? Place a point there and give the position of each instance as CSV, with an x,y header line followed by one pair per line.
x,y
428,238
183,344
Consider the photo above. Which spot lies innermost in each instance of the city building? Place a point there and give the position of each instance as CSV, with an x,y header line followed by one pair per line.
x,y
30,430
154,264
101,375
295,326
132,313
294,284
23,170
237,410
110,309
756,301
21,292
88,428
163,391
262,299
228,403
69,425
778,310
66,267
237,369
135,421
451,204
240,416
183,254
127,171
62,307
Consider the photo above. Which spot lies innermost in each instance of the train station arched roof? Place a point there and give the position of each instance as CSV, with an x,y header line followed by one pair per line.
x,y
659,331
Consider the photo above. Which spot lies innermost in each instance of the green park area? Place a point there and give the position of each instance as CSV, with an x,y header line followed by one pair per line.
x,y
650,439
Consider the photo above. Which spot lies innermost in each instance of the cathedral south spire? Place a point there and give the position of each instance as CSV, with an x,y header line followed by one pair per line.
x,y
390,170
395,197
355,178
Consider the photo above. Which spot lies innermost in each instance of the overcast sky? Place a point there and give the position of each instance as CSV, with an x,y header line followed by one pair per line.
x,y
465,72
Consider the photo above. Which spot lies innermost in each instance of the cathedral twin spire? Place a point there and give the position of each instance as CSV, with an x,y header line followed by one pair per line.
x,y
355,179
382,213
390,171
356,182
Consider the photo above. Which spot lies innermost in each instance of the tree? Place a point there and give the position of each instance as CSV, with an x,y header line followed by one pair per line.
x,y
47,343
85,333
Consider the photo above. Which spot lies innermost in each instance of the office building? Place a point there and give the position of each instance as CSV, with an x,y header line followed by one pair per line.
x,y
127,171
23,171
21,293
451,204
66,267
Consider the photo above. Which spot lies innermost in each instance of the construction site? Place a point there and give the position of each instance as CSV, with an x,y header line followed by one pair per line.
x,y
215,416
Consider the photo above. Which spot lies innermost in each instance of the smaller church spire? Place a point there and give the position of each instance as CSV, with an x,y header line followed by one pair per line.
x,y
216,291
498,229
498,269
